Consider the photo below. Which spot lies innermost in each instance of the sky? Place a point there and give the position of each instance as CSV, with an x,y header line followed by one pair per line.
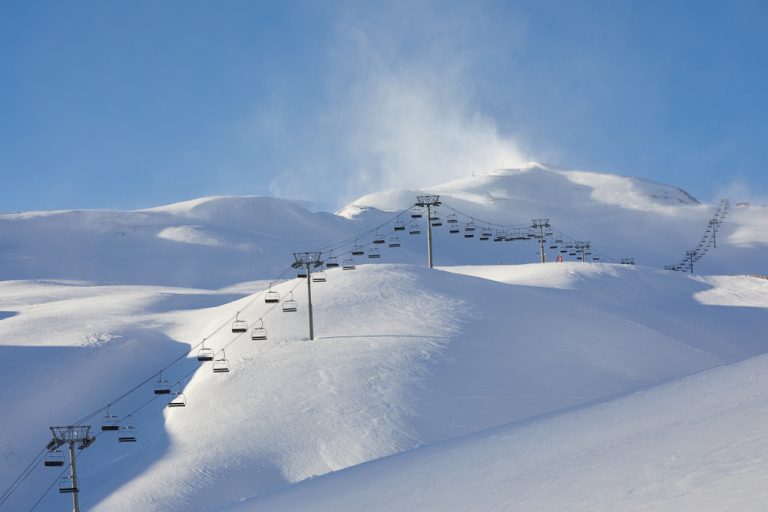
x,y
127,105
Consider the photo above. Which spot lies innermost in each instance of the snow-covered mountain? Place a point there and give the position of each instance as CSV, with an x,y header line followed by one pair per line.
x,y
574,367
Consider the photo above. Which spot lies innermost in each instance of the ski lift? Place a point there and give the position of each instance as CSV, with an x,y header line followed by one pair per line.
x,y
205,353
453,229
162,387
179,400
318,277
563,251
54,458
452,219
221,365
414,230
128,433
436,222
349,264
571,254
501,236
394,241
374,253
596,258
358,250
240,325
270,297
110,422
378,239
399,226
416,213
552,246
559,241
301,273
67,485
470,226
260,332
332,262
290,305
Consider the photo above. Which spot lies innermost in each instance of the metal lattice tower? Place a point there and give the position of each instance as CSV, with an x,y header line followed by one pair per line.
x,y
308,260
581,248
428,202
71,436
540,229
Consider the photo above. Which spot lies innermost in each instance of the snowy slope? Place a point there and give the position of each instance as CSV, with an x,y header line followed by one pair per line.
x,y
209,242
620,216
406,357
697,445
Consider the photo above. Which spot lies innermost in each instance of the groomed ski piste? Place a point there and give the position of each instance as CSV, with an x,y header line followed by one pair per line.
x,y
522,386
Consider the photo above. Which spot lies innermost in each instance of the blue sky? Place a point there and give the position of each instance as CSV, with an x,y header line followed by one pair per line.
x,y
110,104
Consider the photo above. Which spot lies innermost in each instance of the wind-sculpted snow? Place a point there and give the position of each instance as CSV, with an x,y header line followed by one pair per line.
x,y
405,357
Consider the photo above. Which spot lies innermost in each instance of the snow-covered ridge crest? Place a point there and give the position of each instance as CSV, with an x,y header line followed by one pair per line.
x,y
541,183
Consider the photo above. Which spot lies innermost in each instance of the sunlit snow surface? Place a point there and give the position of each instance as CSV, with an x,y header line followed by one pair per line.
x,y
405,357
473,386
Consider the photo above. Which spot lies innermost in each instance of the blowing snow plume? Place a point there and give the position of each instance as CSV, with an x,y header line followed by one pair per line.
x,y
401,111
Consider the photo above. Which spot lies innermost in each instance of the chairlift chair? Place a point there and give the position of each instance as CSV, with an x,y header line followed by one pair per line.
x,y
110,422
452,219
373,253
54,458
332,262
259,332
357,250
271,297
318,277
416,212
378,239
399,226
67,485
454,229
238,325
127,433
290,305
221,365
470,226
436,222
301,273
394,242
414,229
349,264
162,386
205,354
179,400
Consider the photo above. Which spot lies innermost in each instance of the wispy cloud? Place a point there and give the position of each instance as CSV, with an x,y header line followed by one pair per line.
x,y
401,109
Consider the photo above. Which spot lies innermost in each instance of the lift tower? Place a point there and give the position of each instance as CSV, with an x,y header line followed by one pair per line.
x,y
71,436
540,229
429,202
308,260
